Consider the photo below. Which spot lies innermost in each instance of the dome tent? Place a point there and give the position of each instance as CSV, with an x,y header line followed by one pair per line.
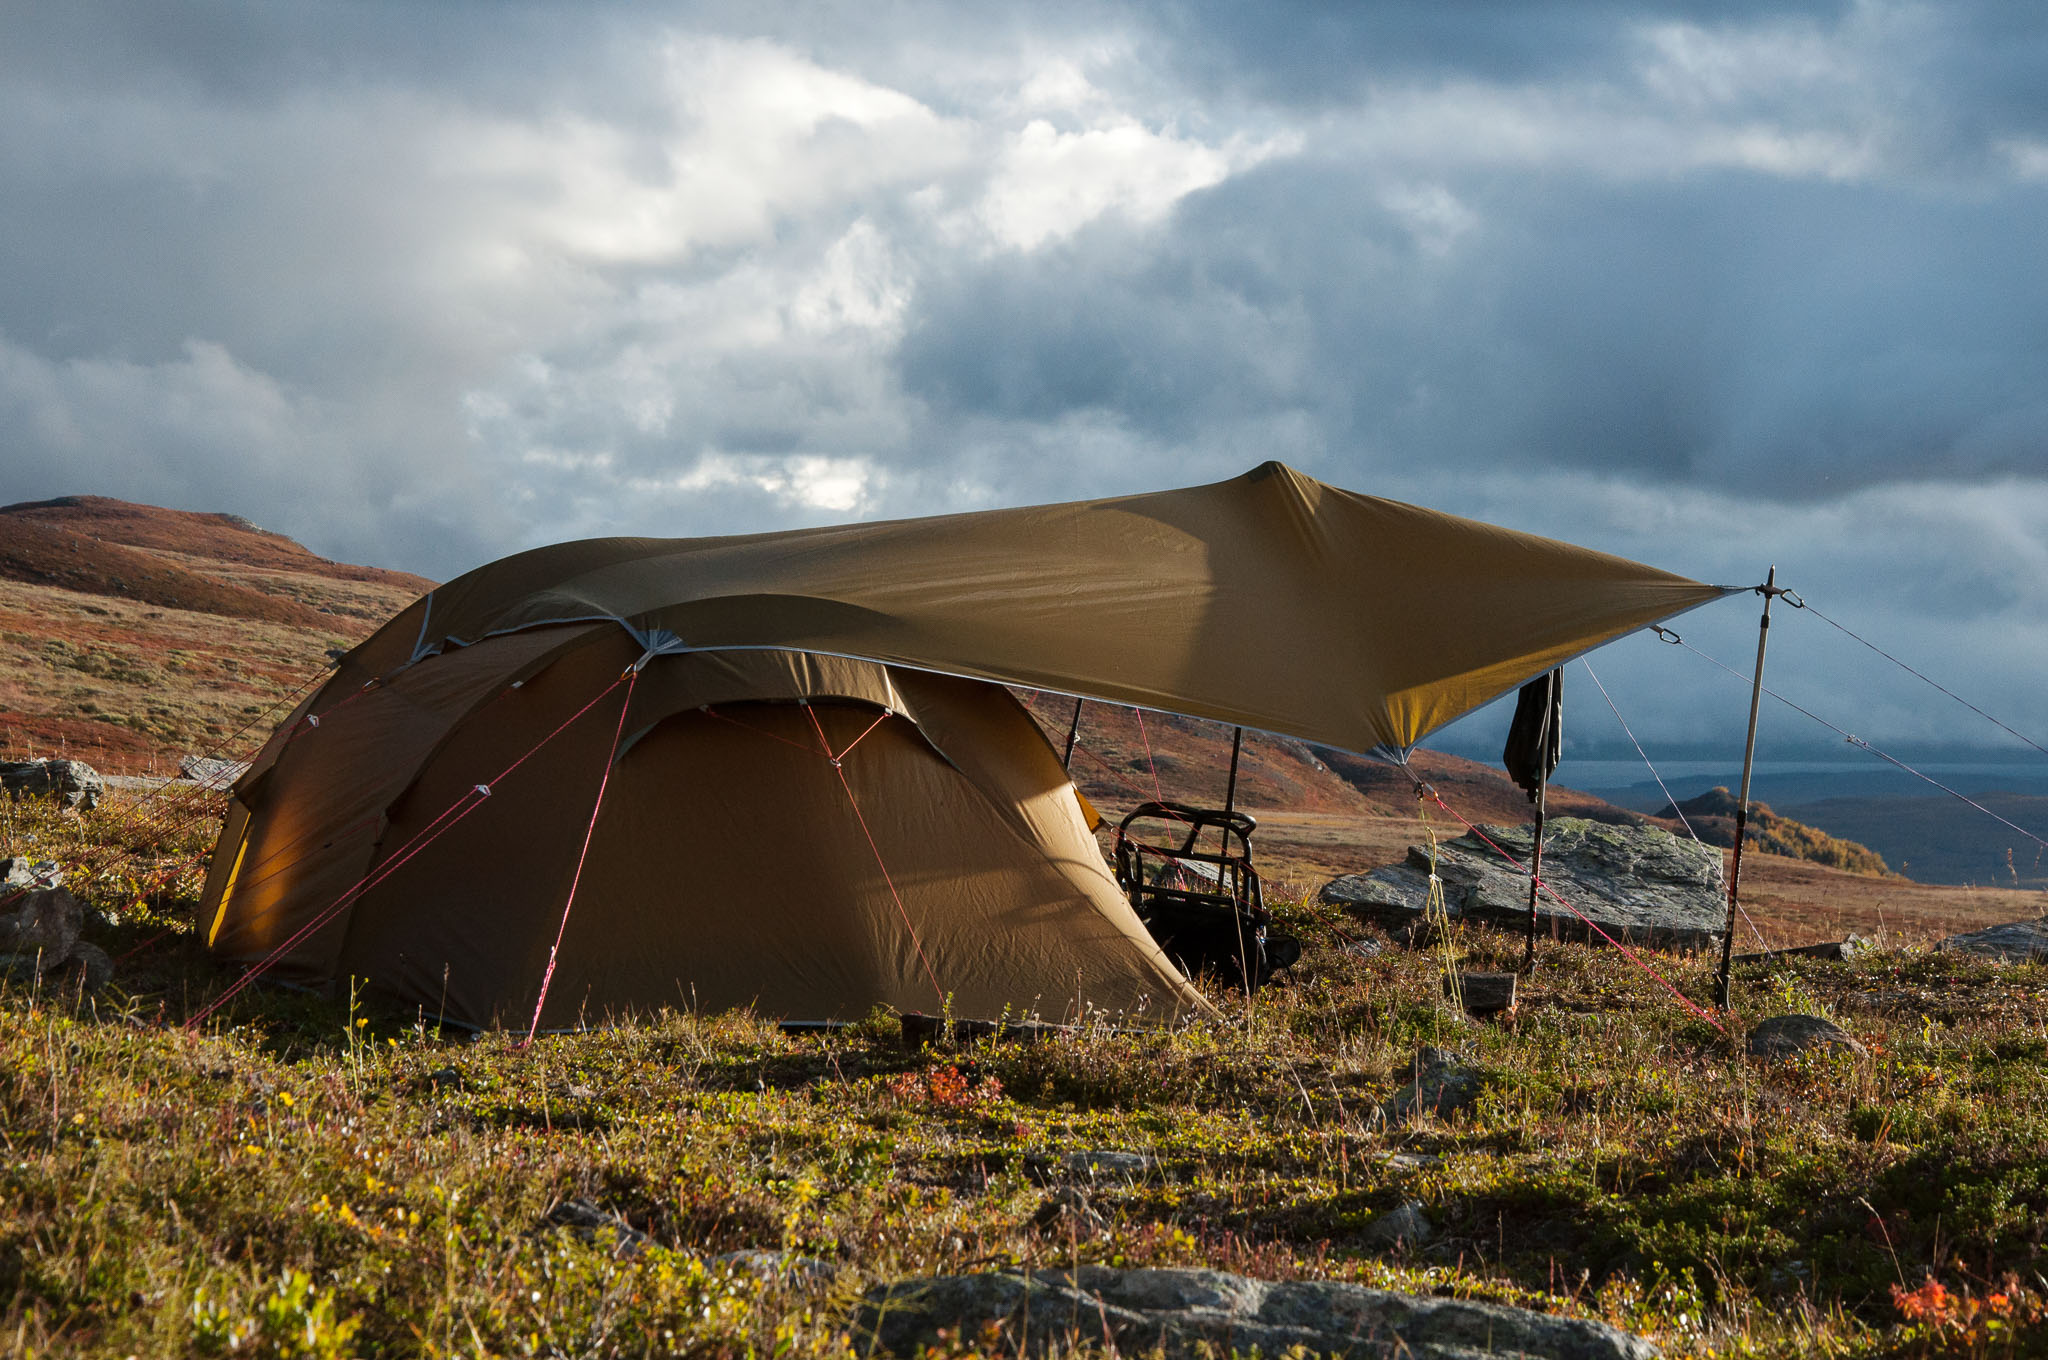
x,y
818,797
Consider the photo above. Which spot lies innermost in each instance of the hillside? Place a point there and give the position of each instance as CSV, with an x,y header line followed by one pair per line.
x,y
132,634
1712,818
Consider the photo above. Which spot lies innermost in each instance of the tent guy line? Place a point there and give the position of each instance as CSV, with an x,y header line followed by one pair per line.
x,y
1429,792
467,802
1798,603
1662,787
1850,737
604,779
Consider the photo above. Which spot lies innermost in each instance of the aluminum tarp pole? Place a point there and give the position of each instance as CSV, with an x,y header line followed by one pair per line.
x,y
1073,731
1769,590
1230,789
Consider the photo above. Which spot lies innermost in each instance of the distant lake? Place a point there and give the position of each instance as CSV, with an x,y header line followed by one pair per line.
x,y
1629,782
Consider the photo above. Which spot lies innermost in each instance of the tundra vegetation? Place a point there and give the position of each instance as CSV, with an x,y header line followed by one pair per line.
x,y
300,1176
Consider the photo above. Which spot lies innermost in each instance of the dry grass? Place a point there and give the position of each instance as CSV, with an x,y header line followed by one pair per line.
x,y
306,1177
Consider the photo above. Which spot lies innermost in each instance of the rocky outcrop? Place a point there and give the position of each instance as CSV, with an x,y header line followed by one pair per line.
x,y
1187,1313
73,783
1642,885
2014,942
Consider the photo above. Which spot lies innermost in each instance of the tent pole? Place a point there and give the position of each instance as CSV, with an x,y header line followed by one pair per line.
x,y
1230,789
1769,590
1073,731
1536,865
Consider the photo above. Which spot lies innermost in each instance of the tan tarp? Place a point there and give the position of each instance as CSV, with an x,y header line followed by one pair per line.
x,y
945,860
1271,600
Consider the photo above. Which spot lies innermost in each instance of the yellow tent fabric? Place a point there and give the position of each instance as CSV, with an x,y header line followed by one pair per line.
x,y
1271,600
941,862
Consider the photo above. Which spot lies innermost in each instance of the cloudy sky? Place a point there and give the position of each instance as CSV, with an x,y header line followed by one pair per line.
x,y
1712,285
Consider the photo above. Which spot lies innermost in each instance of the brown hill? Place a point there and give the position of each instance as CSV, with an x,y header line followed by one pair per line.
x,y
46,554
220,537
130,635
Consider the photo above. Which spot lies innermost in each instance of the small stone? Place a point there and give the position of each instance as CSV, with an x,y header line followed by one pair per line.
x,y
1066,1212
778,1267
1439,1083
90,961
587,1219
1781,1036
18,871
445,1079
1407,1226
582,1093
1105,1164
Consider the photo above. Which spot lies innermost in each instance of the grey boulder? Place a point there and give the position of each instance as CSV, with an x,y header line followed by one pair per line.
x,y
1639,884
73,783
43,924
2014,942
1186,1313
211,772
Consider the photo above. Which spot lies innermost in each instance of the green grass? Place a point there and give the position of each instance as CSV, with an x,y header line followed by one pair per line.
x,y
303,1177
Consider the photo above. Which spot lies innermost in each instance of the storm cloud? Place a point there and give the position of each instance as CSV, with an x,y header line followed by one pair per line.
x,y
1716,286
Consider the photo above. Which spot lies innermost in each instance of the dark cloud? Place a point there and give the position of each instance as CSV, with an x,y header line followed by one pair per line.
x,y
1711,285
1322,53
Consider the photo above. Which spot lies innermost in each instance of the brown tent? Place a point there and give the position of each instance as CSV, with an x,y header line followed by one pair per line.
x,y
812,800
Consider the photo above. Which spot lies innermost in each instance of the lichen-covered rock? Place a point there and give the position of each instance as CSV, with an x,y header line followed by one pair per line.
x,y
1641,885
1185,1313
1781,1036
592,1221
2015,942
73,783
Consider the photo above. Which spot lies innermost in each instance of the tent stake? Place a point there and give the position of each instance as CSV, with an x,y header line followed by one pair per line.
x,y
1769,590
1073,731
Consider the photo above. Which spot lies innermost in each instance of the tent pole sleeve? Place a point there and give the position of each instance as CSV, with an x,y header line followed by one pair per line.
x,y
1770,592
1073,731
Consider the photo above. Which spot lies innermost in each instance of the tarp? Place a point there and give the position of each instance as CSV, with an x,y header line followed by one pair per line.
x,y
1271,600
